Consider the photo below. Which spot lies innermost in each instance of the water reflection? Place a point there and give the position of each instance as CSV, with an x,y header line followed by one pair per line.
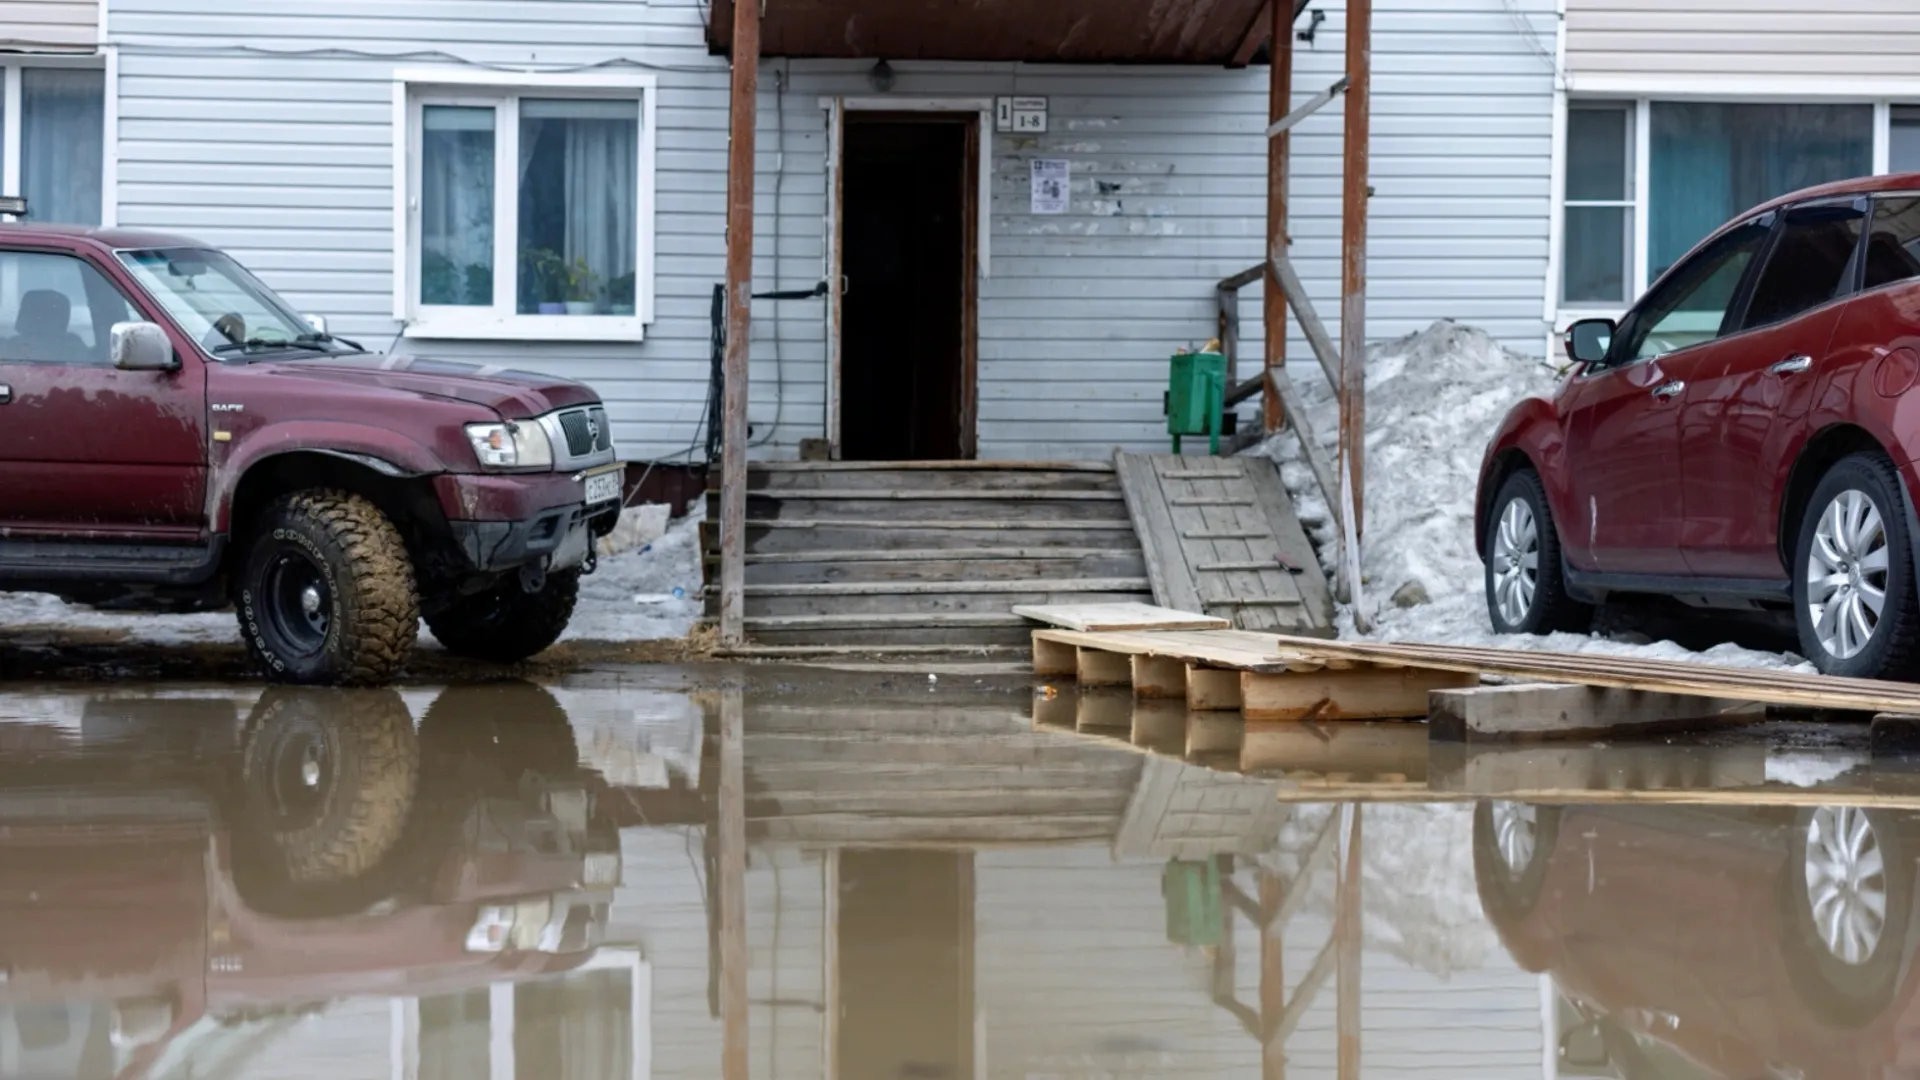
x,y
618,879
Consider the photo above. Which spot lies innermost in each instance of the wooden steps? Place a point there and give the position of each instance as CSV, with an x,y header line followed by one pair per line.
x,y
920,556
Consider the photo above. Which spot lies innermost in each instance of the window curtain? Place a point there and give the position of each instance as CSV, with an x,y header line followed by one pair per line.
x,y
62,132
456,205
579,194
1712,161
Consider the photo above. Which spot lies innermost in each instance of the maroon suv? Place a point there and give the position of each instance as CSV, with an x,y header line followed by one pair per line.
x,y
177,437
1744,437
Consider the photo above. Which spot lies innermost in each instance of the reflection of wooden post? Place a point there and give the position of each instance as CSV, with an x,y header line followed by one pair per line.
x,y
733,886
1347,932
1273,976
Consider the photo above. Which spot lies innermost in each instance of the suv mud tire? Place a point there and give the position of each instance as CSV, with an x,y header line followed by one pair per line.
x,y
326,592
1522,598
1884,565
328,779
506,624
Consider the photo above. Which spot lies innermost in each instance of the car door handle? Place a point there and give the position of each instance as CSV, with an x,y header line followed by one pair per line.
x,y
1667,390
6,394
1792,365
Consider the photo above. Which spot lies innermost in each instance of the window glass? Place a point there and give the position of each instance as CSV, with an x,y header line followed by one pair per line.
x,y
222,306
55,309
1712,161
575,1027
1691,306
1903,143
454,1036
456,205
62,124
1893,244
1598,229
1809,264
579,194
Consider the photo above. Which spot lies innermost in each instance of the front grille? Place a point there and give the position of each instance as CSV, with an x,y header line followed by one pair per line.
x,y
579,432
605,439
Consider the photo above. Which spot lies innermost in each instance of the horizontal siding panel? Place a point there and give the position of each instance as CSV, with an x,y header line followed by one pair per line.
x,y
1712,37
59,24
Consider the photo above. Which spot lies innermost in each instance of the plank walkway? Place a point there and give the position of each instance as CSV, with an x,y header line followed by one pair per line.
x,y
1221,538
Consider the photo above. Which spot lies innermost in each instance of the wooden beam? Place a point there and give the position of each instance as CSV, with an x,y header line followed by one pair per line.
x,y
732,884
1054,660
1344,695
1544,710
1214,733
1158,677
1274,301
1257,34
1273,977
1104,711
1314,104
1159,726
1348,932
733,453
1359,748
1296,412
1356,155
1211,689
1310,324
1096,667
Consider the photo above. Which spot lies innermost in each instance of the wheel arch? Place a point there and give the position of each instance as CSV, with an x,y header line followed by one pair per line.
x,y
1500,468
1824,450
406,497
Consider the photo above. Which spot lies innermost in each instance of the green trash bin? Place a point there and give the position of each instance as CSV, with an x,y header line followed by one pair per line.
x,y
1196,397
1195,911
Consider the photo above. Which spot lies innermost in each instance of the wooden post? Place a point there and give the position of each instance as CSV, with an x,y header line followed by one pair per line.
x,y
1273,975
1353,276
1279,103
1347,935
733,457
733,879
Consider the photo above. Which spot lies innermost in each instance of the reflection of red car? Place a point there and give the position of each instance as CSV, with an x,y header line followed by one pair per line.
x,y
336,853
1759,944
1741,438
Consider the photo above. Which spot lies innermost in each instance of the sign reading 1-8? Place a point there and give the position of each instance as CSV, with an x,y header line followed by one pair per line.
x,y
1020,115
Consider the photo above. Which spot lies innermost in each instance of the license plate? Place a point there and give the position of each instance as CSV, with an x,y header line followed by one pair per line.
x,y
604,487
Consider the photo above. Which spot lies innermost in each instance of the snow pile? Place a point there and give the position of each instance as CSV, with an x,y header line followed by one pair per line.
x,y
650,592
1434,400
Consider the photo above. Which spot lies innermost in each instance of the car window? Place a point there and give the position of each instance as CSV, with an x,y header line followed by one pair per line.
x,y
1690,306
1893,242
1809,265
56,309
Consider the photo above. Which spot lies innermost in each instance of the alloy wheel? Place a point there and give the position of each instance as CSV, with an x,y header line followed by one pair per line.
x,y
1515,834
1516,562
1846,877
1847,574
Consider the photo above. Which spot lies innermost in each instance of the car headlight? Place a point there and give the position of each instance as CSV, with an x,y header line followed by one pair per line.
x,y
503,926
491,930
511,446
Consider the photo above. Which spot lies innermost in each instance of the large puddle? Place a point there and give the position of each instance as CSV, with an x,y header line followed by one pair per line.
x,y
621,880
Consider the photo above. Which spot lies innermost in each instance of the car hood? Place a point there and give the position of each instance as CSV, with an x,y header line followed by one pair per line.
x,y
515,395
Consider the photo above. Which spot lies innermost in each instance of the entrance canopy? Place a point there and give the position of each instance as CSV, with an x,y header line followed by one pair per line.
x,y
1226,32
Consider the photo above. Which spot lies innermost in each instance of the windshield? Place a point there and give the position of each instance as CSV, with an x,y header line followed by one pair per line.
x,y
226,309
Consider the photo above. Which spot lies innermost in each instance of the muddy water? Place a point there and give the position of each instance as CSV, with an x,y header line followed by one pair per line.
x,y
625,876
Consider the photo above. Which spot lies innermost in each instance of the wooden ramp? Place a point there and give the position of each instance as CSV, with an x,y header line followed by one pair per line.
x,y
1220,537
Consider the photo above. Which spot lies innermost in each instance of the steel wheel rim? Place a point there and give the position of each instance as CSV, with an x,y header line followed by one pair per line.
x,y
1516,562
1516,828
1846,571
299,604
1846,878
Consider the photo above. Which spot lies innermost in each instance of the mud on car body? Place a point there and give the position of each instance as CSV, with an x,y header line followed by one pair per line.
x,y
178,438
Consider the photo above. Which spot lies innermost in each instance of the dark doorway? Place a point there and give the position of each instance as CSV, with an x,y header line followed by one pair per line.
x,y
906,965
908,200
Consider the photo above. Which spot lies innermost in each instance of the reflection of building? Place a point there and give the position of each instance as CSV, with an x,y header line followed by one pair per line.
x,y
590,1023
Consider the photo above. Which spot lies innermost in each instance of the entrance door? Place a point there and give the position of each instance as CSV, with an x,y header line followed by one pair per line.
x,y
908,199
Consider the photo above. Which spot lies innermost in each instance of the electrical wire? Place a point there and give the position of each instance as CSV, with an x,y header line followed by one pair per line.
x,y
779,183
336,52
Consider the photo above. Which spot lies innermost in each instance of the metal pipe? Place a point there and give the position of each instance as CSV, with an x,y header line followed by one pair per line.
x,y
733,450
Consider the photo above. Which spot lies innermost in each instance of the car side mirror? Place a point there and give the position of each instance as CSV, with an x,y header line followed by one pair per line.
x,y
141,346
1589,339
318,322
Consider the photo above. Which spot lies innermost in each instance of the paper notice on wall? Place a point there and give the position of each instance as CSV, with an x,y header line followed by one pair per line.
x,y
1050,182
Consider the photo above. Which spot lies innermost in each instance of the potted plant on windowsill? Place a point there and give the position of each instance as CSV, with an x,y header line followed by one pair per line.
x,y
547,272
583,287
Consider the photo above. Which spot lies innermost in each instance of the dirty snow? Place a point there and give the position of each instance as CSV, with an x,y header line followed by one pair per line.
x,y
631,597
1434,400
1807,769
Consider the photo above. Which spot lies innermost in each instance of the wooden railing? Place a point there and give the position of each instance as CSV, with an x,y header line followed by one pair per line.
x,y
1275,379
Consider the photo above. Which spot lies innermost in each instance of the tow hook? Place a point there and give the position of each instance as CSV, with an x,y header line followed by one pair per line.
x,y
592,563
533,577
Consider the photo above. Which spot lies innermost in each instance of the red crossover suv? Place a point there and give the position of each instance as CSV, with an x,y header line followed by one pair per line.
x,y
1744,437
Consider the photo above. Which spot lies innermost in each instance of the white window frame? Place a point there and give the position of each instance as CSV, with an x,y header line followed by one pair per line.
x,y
415,88
13,116
1638,94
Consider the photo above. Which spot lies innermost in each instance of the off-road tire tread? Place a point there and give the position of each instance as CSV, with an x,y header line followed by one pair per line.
x,y
383,766
530,624
1553,609
382,605
1900,656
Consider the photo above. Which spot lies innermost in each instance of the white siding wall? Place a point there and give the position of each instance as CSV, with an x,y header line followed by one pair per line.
x,y
1844,38
269,132
50,24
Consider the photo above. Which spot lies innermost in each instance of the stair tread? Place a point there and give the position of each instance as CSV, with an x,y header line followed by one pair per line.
x,y
938,494
931,466
943,555
1088,524
908,588
927,620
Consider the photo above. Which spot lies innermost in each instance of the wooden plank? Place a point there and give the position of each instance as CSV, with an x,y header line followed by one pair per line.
x,y
914,555
1112,617
963,524
1296,412
1315,598
1051,658
1204,500
887,466
1158,677
1310,324
1097,667
1537,710
1344,695
1198,474
934,495
1215,648
1173,584
918,620
1224,534
1211,689
915,588
1359,748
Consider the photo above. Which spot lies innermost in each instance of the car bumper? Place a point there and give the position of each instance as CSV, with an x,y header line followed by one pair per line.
x,y
501,522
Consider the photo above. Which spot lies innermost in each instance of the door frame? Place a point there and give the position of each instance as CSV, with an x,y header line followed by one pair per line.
x,y
980,150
